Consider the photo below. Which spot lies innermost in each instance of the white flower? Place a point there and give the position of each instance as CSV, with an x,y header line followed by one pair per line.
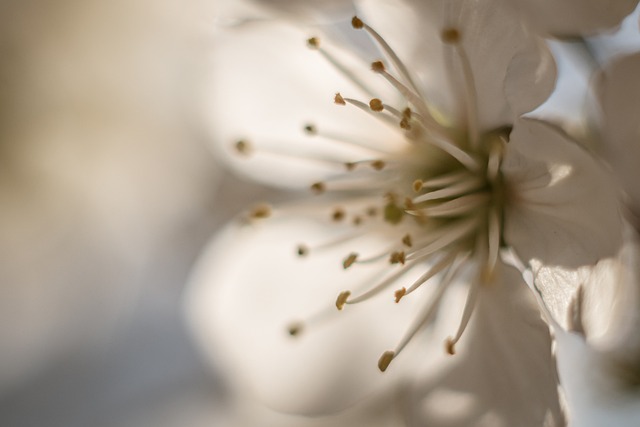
x,y
426,171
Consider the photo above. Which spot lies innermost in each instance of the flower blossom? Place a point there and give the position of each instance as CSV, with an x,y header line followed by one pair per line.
x,y
423,174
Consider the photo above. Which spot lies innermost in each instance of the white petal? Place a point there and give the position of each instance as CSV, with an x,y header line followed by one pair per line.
x,y
502,373
513,72
267,85
573,17
619,96
249,286
561,208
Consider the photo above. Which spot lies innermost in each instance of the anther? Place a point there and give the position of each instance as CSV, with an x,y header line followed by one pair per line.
x,y
385,360
338,99
350,166
342,299
318,187
302,250
348,261
357,220
378,164
313,42
405,124
399,294
450,36
295,329
397,257
310,129
372,211
260,212
357,23
449,345
376,105
417,185
406,113
407,240
338,214
243,147
378,66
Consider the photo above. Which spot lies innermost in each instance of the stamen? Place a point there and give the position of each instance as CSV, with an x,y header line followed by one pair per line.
x,y
243,147
431,272
310,129
295,329
386,119
395,59
384,284
338,99
407,240
318,187
349,260
302,250
338,214
260,211
376,105
314,43
458,189
466,315
428,313
459,206
447,235
342,299
378,164
399,294
446,179
397,257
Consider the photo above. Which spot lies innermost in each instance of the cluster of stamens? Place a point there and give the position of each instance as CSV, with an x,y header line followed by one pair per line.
x,y
443,192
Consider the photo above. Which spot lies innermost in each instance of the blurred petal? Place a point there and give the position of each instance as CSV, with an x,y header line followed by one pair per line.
x,y
553,182
249,287
503,373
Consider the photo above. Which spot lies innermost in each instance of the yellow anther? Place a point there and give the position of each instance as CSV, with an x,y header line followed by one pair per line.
x,y
295,329
338,214
407,240
338,99
376,105
378,66
397,257
357,23
450,35
449,345
318,187
378,164
417,185
310,129
242,147
399,294
302,250
313,42
260,211
348,261
342,299
385,360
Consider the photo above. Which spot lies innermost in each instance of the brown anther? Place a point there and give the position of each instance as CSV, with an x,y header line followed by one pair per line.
x,y
338,99
313,42
242,147
450,36
310,129
399,294
342,299
378,66
350,166
406,113
385,360
295,329
338,214
302,250
357,23
378,164
409,205
372,211
376,105
407,240
348,261
417,185
318,187
449,345
260,211
357,220
397,257
405,124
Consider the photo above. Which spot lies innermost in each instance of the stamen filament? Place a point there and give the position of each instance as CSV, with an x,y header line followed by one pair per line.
x,y
459,206
462,187
466,316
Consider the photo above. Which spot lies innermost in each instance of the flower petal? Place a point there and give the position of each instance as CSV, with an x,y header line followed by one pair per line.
x,y
561,207
267,85
503,373
568,18
249,287
619,96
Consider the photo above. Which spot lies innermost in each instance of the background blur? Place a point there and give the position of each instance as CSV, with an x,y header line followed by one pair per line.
x,y
108,191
